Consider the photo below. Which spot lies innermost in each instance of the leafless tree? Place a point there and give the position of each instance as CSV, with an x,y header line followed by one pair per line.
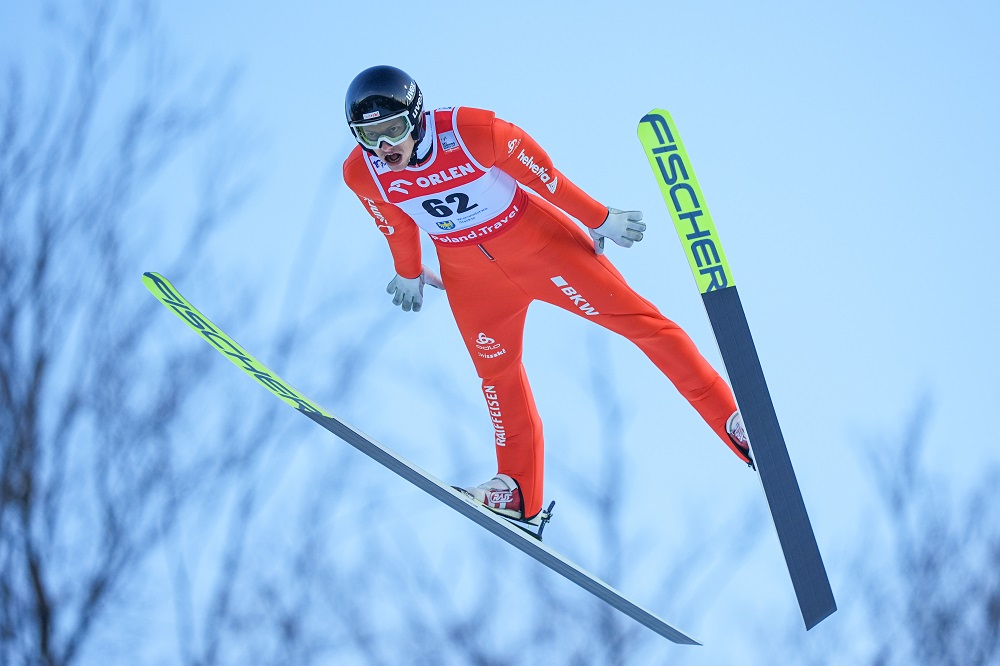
x,y
103,431
942,605
95,466
102,422
924,587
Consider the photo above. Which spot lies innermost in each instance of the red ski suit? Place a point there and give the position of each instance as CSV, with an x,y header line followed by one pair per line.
x,y
500,248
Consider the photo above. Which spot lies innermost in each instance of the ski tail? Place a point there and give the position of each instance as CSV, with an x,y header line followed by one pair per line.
x,y
524,540
714,278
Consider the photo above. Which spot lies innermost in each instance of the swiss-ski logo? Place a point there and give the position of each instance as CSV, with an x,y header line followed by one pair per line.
x,y
488,347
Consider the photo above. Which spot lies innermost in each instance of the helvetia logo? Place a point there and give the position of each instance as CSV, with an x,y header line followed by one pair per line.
x,y
540,171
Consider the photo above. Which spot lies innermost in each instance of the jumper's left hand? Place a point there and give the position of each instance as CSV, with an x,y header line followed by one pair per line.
x,y
623,227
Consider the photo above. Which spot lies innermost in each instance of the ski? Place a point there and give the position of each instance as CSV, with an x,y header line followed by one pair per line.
x,y
521,538
681,192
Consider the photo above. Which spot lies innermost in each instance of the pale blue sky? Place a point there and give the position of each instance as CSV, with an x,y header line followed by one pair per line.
x,y
848,154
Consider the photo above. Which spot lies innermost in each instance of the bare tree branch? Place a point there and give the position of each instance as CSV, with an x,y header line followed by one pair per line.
x,y
923,579
91,461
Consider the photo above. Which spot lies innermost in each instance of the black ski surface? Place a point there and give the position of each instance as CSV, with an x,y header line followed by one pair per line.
x,y
683,196
516,536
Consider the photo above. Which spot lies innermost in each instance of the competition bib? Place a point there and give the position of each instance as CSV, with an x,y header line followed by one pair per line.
x,y
452,197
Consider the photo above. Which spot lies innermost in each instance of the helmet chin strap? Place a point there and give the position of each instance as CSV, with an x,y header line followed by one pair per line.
x,y
422,150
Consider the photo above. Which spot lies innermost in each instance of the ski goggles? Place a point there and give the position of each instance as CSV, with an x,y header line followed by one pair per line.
x,y
393,130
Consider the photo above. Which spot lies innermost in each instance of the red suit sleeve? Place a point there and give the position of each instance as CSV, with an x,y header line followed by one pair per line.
x,y
495,142
399,229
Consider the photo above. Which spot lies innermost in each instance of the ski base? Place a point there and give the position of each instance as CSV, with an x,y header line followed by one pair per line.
x,y
696,230
517,536
781,488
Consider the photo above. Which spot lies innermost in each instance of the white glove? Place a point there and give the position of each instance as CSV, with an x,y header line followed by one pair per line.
x,y
409,292
623,227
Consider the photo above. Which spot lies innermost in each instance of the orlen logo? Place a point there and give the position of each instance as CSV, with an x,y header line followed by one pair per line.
x,y
540,171
396,186
443,176
433,179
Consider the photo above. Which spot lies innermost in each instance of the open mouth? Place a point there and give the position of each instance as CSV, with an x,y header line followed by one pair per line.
x,y
393,158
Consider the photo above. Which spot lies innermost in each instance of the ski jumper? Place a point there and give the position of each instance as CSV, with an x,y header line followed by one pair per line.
x,y
501,247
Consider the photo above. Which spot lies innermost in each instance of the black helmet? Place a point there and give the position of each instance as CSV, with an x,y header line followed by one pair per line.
x,y
383,91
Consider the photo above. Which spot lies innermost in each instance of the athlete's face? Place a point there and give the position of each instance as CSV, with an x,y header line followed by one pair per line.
x,y
398,156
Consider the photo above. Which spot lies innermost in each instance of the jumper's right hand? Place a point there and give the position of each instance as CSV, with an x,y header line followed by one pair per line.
x,y
408,293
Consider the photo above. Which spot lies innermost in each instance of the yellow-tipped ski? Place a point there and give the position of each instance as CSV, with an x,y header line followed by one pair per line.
x,y
681,192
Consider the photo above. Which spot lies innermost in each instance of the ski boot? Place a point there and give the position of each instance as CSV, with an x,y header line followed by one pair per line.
x,y
502,496
741,442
